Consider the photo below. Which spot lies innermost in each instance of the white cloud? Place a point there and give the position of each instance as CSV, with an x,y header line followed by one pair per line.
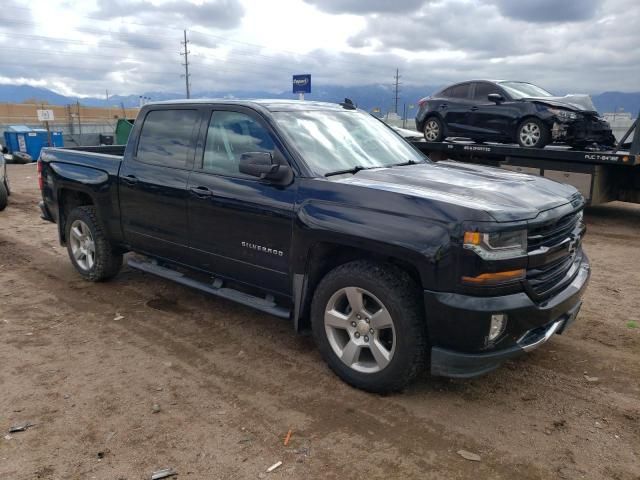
x,y
133,47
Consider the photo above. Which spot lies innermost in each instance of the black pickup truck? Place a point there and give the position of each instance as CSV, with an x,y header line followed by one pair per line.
x,y
322,214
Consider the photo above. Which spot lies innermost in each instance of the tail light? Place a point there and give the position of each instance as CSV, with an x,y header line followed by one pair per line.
x,y
422,101
40,179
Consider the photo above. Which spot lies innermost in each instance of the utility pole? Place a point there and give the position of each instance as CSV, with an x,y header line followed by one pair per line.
x,y
186,63
397,89
108,106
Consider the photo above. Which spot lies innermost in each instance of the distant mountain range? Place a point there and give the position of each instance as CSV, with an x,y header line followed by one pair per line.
x,y
367,97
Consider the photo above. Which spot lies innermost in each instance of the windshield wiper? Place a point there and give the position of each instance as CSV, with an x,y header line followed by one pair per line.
x,y
408,162
353,170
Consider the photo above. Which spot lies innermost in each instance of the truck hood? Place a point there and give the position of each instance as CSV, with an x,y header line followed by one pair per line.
x,y
575,102
504,195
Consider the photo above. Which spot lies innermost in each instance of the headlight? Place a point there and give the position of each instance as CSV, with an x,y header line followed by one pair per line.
x,y
563,115
497,245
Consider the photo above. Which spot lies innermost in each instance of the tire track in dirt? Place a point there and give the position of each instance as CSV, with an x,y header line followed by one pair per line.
x,y
160,327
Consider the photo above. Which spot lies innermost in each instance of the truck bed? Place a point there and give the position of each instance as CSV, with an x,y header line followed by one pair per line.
x,y
106,158
117,150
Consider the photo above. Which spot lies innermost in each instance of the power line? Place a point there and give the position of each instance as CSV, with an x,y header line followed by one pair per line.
x,y
186,62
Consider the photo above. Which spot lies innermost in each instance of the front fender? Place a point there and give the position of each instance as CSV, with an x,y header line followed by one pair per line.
x,y
423,243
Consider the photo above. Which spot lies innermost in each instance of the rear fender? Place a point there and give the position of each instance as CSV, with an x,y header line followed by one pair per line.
x,y
77,185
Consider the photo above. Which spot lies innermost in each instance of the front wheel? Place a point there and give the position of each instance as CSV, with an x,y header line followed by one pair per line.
x,y
368,324
533,133
89,249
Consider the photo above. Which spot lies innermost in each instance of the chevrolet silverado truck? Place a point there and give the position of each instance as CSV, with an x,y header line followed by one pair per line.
x,y
321,214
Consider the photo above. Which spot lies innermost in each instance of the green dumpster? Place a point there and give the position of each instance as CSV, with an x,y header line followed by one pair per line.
x,y
123,129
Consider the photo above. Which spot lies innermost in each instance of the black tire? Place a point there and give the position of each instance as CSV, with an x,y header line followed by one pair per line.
x,y
399,294
22,158
433,129
533,133
3,197
106,264
7,187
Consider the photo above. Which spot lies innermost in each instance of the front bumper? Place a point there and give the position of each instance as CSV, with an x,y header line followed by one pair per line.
x,y
583,131
458,325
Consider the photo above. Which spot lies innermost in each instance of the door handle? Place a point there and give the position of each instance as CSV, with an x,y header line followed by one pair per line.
x,y
201,191
443,106
130,179
473,109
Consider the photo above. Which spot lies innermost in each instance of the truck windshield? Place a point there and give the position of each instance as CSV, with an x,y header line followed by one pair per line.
x,y
334,141
519,90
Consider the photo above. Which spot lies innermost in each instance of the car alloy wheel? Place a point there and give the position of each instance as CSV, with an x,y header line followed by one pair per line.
x,y
360,330
432,130
530,134
83,246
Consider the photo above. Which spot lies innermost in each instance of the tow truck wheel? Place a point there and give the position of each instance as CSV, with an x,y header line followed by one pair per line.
x,y
368,323
433,130
3,196
88,247
532,133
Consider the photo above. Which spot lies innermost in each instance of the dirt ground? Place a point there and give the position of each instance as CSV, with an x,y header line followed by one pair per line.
x,y
90,365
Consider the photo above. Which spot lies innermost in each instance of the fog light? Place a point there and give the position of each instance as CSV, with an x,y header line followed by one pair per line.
x,y
498,324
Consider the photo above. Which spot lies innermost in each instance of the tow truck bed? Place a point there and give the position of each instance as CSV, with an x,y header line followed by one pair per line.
x,y
601,176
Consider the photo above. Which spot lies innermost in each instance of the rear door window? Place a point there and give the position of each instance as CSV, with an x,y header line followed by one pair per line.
x,y
167,138
458,91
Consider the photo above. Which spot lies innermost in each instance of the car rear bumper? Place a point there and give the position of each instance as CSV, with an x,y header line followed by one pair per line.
x,y
459,324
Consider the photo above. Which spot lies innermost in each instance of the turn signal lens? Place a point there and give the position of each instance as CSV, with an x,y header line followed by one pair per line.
x,y
39,170
495,278
472,238
497,245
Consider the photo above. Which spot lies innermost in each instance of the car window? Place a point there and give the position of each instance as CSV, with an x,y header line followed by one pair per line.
x,y
230,134
458,91
483,89
166,137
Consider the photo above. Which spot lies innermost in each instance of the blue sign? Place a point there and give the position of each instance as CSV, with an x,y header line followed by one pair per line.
x,y
302,83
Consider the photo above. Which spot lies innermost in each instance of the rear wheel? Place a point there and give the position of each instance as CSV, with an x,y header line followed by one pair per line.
x,y
368,324
88,246
532,133
433,130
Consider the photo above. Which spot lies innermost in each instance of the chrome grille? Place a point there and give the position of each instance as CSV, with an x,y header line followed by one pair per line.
x,y
547,279
552,233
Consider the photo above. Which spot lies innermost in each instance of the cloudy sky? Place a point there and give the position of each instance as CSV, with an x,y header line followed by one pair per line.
x,y
83,47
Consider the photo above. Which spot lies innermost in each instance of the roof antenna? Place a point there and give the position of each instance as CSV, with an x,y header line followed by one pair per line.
x,y
348,104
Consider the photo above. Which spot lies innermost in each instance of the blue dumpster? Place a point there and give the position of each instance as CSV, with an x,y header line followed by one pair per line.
x,y
20,138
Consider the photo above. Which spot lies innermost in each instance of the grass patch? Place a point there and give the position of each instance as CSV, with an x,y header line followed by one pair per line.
x,y
632,324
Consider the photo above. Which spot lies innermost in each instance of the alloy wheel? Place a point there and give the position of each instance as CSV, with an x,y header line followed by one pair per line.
x,y
530,134
83,246
431,130
360,329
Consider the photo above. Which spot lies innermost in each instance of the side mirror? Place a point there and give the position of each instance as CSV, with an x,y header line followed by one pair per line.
x,y
5,150
495,97
263,166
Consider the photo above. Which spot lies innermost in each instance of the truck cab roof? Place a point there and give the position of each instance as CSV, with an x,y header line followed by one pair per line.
x,y
272,105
